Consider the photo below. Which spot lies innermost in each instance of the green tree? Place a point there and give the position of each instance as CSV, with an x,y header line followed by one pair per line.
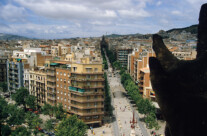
x,y
21,131
6,130
47,109
20,96
49,125
150,120
31,101
3,86
59,111
16,115
3,111
71,126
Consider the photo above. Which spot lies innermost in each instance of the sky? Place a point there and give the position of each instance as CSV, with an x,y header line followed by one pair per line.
x,y
55,19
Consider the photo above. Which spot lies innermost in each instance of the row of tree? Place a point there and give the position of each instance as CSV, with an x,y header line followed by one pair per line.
x,y
144,106
104,59
16,120
107,102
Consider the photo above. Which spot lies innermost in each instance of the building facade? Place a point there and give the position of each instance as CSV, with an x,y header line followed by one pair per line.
x,y
3,69
15,74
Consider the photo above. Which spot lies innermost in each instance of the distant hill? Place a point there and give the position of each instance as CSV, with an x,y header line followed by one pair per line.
x,y
12,37
192,29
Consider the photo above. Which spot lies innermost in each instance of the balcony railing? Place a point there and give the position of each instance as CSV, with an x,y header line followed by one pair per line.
x,y
86,93
78,99
86,107
51,86
87,114
87,86
88,73
51,79
87,79
51,73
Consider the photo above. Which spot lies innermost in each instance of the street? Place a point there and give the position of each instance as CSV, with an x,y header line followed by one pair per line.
x,y
123,110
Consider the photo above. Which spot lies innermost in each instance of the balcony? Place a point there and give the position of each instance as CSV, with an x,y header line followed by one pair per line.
x,y
51,73
87,114
78,99
87,86
88,73
51,79
87,79
51,86
51,98
86,107
86,93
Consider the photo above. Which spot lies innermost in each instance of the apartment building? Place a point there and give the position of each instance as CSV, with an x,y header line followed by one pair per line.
x,y
15,74
3,69
122,55
80,89
37,85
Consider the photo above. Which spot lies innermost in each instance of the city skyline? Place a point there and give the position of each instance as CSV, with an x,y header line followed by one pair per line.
x,y
50,19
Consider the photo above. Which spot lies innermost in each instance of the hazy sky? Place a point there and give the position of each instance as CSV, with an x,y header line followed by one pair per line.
x,y
85,18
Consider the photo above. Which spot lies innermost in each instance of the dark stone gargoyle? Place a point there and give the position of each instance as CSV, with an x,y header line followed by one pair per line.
x,y
181,86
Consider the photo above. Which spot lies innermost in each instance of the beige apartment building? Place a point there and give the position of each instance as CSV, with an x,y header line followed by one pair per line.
x,y
37,85
80,88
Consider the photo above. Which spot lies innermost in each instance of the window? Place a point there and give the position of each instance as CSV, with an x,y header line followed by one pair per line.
x,y
88,97
64,74
74,69
88,83
61,86
95,104
65,105
68,101
68,75
88,70
88,76
95,97
64,86
65,99
61,79
64,93
95,110
57,73
60,73
64,80
96,77
61,98
96,69
61,92
58,98
57,85
57,91
68,94
88,110
57,79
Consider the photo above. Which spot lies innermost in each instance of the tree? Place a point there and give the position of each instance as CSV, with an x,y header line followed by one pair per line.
x,y
3,111
71,126
150,120
31,101
47,109
59,111
21,131
5,131
3,85
16,115
20,96
49,125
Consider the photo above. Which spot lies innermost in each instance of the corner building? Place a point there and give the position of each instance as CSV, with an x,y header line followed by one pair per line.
x,y
80,88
